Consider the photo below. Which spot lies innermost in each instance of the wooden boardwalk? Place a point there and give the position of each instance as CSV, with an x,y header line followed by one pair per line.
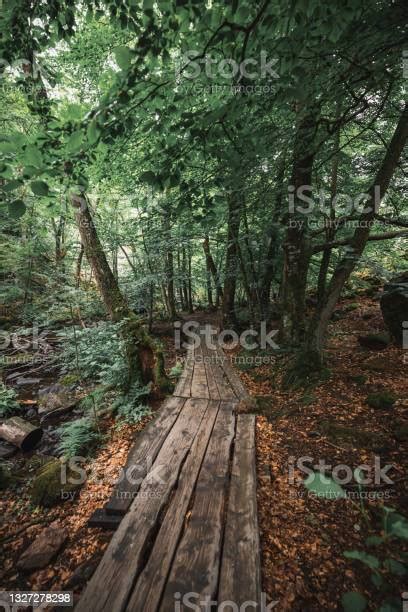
x,y
187,523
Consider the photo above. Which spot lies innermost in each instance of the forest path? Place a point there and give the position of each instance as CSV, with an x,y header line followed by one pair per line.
x,y
190,527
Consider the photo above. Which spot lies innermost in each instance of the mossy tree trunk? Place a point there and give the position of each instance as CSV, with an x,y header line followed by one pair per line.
x,y
143,356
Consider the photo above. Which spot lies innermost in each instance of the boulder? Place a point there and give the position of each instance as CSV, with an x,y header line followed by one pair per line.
x,y
44,548
374,342
49,488
394,306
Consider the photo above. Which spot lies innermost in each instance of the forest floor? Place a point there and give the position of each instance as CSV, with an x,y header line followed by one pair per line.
x,y
303,538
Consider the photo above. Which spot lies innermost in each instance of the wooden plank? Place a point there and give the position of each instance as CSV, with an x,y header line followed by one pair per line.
x,y
232,377
100,518
199,385
111,584
197,562
240,578
150,584
142,455
211,381
183,387
224,388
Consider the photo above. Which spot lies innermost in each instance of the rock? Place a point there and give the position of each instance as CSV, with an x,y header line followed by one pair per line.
x,y
374,342
49,488
31,413
44,548
382,399
7,450
394,306
5,477
401,431
82,573
58,400
21,381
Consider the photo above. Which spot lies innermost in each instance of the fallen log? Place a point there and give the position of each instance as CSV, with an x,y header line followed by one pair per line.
x,y
21,433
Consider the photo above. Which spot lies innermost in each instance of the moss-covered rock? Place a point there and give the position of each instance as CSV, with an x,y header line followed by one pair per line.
x,y
52,484
401,431
5,477
375,342
381,400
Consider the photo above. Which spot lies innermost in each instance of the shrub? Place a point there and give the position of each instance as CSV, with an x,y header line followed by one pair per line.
x,y
78,437
383,399
8,404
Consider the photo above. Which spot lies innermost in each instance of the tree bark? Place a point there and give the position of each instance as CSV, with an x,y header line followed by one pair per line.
x,y
318,326
297,244
231,260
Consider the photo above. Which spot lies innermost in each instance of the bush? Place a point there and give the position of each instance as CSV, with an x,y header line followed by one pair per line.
x,y
94,352
129,408
78,437
8,404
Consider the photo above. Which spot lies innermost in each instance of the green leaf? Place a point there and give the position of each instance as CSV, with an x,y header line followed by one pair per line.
x,y
400,529
353,602
370,560
74,142
16,209
33,156
11,185
149,177
93,132
323,486
39,188
374,540
377,580
7,147
123,57
395,567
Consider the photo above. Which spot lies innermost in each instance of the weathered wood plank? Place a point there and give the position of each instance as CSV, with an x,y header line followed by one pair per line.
x,y
142,455
112,583
100,518
183,387
211,381
231,376
240,578
197,562
149,586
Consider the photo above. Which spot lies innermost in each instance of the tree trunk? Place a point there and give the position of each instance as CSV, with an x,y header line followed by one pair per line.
x,y
312,350
79,266
231,260
141,353
297,251
210,263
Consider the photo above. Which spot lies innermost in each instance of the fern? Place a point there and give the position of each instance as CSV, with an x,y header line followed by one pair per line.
x,y
78,437
8,404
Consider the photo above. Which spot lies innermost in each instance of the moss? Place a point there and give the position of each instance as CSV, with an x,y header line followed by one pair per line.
x,y
48,488
352,435
381,400
69,379
5,477
360,379
351,307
